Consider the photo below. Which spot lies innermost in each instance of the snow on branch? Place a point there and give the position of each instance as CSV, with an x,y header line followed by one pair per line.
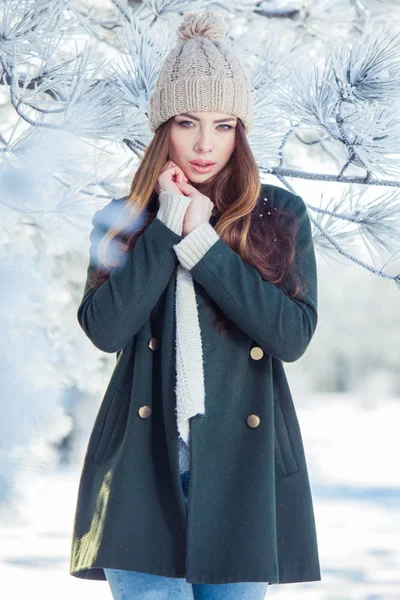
x,y
75,80
343,106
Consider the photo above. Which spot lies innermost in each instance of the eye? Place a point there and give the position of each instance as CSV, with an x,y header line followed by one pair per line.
x,y
222,125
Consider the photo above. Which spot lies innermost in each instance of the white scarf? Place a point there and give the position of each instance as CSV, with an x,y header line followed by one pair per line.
x,y
189,354
189,388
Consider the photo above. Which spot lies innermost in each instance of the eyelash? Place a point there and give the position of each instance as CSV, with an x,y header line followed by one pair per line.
x,y
222,125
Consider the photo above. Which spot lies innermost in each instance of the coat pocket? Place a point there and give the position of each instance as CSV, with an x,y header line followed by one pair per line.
x,y
286,463
109,429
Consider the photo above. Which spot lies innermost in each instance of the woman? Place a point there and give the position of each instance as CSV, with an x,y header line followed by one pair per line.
x,y
203,281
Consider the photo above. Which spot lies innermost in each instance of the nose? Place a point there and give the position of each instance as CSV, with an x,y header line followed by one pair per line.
x,y
203,141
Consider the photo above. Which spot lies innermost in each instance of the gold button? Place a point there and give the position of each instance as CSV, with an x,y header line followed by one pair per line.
x,y
144,412
256,352
253,421
154,344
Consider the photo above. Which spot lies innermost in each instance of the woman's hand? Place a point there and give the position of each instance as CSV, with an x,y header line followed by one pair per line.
x,y
169,176
199,210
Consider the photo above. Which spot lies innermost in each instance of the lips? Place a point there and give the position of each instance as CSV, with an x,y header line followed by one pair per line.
x,y
201,169
205,163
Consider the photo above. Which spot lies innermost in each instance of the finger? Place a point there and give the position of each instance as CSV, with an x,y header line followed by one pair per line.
x,y
184,184
186,187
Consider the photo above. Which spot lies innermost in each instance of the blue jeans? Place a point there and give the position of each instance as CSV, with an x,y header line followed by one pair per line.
x,y
132,585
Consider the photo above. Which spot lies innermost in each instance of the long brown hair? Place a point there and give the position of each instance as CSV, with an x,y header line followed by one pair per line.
x,y
265,242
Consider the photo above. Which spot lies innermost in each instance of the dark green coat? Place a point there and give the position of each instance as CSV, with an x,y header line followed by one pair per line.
x,y
250,513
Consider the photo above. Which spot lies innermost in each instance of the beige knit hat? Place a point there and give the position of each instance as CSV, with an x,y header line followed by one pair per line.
x,y
201,73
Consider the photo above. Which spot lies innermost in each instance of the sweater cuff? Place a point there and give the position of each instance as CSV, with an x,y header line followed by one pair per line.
x,y
191,249
172,210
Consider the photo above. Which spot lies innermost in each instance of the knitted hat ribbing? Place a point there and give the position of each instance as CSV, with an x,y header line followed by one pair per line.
x,y
201,73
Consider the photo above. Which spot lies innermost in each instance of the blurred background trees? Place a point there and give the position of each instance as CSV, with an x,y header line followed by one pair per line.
x,y
75,81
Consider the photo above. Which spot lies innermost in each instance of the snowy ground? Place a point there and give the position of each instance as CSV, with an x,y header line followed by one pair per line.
x,y
352,454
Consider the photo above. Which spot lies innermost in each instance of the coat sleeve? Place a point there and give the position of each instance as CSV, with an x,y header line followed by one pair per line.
x,y
113,313
282,326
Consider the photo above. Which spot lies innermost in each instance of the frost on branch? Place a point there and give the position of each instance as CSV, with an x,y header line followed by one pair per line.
x,y
75,82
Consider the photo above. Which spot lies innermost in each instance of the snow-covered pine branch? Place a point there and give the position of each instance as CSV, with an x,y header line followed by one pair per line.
x,y
75,79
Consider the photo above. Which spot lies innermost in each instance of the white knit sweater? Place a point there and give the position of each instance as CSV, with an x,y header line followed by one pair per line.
x,y
189,355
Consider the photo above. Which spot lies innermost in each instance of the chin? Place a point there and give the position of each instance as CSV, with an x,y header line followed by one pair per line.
x,y
201,179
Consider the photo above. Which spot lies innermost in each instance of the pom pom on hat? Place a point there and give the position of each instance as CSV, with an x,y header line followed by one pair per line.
x,y
206,24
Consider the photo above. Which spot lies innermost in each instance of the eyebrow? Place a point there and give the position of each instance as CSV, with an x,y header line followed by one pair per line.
x,y
197,119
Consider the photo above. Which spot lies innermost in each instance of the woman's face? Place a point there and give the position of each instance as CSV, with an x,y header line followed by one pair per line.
x,y
204,135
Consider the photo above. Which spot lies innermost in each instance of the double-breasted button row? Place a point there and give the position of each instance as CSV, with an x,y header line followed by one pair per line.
x,y
154,344
256,352
144,412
